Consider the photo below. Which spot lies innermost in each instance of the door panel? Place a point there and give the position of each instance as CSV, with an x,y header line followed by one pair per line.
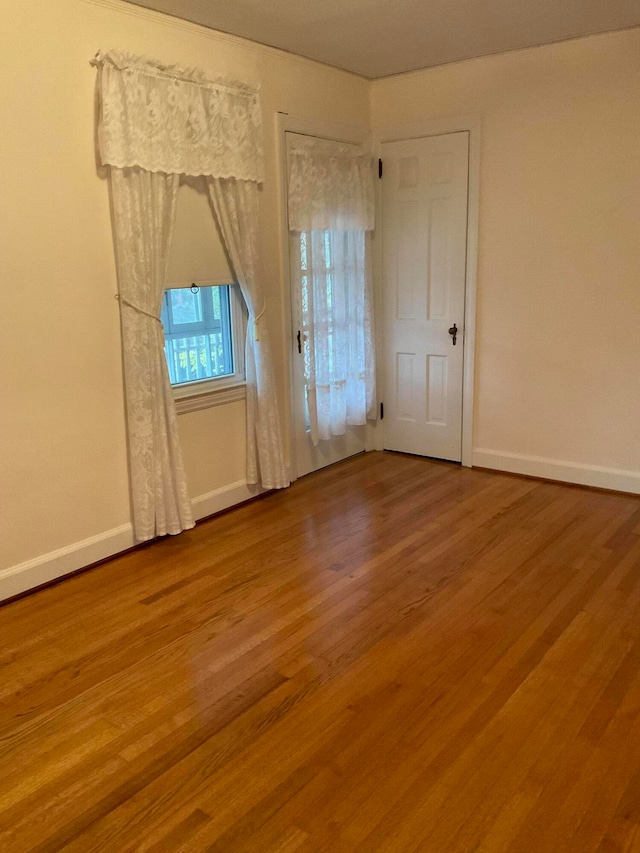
x,y
424,224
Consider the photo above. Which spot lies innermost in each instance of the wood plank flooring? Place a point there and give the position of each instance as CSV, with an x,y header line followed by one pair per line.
x,y
394,654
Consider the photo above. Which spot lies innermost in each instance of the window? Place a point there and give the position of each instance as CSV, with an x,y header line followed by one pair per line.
x,y
197,333
334,321
204,340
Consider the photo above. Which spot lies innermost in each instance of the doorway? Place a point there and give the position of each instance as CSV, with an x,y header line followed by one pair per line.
x,y
323,266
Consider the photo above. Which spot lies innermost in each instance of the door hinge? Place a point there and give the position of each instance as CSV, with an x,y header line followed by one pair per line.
x,y
379,168
381,411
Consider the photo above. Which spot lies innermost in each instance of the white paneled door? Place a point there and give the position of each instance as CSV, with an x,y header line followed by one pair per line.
x,y
424,225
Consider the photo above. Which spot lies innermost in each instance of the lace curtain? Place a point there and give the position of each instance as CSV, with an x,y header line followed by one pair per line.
x,y
236,206
144,206
155,123
330,186
171,119
335,305
331,209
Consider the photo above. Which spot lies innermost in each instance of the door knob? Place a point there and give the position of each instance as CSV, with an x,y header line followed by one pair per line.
x,y
453,331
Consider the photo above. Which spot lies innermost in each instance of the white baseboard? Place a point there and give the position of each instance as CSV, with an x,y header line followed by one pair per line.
x,y
555,469
227,496
56,564
48,567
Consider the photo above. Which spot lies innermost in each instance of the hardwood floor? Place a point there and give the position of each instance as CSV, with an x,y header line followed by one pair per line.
x,y
393,655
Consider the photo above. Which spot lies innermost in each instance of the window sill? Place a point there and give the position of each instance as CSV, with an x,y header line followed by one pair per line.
x,y
209,397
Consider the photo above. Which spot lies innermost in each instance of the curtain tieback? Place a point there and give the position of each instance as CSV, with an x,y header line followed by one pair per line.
x,y
137,308
256,333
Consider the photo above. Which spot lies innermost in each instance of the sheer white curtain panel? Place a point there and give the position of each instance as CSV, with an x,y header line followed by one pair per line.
x,y
143,213
236,205
339,364
331,211
330,186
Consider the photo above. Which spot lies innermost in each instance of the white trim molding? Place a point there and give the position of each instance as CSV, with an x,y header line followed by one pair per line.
x,y
80,555
224,498
436,127
210,398
597,476
49,567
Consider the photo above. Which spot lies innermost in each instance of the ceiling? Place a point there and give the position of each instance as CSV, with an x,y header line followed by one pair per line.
x,y
376,38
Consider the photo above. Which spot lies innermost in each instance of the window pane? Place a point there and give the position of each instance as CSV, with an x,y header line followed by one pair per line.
x,y
186,307
207,352
215,295
304,297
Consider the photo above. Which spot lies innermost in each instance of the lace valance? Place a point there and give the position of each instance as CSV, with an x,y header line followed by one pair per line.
x,y
330,186
176,120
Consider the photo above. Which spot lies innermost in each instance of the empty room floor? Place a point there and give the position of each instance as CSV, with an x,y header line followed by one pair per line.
x,y
394,654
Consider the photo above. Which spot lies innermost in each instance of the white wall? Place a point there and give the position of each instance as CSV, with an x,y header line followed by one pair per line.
x,y
63,467
558,334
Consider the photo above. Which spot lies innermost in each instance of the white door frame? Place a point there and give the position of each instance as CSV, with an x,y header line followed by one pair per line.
x,y
417,130
324,130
